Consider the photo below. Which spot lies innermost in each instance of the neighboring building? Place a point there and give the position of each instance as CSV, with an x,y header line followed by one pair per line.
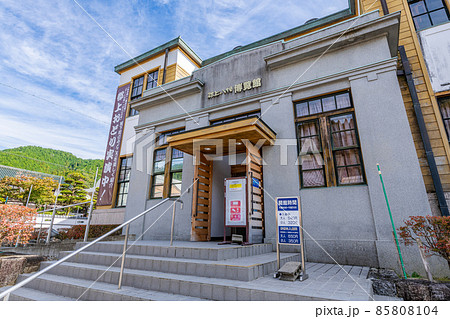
x,y
425,36
337,88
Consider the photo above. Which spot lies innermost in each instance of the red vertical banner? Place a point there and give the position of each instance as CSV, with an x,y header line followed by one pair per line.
x,y
105,193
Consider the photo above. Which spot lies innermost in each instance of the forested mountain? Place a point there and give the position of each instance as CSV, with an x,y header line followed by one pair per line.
x,y
50,161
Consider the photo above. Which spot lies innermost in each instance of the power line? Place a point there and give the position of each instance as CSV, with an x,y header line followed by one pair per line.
x,y
48,101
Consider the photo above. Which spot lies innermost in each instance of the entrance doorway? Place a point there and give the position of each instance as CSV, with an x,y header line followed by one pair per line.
x,y
223,140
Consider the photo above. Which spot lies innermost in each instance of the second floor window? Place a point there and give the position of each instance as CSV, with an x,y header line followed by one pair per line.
x,y
162,138
235,118
427,13
329,149
136,92
144,82
138,86
152,80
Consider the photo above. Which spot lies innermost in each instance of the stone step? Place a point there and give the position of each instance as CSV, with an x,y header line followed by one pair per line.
x,y
191,286
187,250
243,269
26,294
55,288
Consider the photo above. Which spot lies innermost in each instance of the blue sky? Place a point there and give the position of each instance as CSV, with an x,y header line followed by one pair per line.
x,y
57,83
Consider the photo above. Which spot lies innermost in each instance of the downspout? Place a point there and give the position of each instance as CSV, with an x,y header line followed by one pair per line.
x,y
166,55
385,7
423,133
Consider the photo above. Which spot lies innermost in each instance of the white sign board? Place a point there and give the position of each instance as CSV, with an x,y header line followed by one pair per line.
x,y
288,220
236,202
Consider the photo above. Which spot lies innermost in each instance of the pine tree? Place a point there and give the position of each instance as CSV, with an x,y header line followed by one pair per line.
x,y
73,191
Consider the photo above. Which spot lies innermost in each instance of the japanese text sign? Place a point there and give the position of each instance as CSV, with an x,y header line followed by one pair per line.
x,y
288,220
105,193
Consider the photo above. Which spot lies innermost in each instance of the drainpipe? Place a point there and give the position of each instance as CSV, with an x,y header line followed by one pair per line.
x,y
166,55
423,133
385,7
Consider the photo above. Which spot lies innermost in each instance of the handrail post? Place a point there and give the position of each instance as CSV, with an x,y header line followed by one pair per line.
x,y
173,224
125,244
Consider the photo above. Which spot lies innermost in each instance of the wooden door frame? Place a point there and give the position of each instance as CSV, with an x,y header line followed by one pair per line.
x,y
195,236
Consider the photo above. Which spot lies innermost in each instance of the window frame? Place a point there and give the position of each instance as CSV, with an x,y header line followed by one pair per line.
x,y
150,80
132,112
444,119
174,171
358,147
331,176
427,13
235,117
167,174
123,182
322,150
153,177
133,87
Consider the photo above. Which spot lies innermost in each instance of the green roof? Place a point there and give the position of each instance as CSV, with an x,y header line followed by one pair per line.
x,y
171,44
309,25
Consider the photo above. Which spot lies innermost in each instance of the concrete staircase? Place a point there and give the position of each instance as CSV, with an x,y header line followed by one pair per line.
x,y
187,271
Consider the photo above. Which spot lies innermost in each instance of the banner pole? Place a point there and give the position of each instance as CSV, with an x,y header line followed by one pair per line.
x,y
29,194
86,232
54,212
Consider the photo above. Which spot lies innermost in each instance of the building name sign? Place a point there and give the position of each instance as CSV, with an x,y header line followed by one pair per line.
x,y
237,88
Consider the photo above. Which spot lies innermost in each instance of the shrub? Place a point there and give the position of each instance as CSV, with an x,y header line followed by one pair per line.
x,y
433,231
14,221
77,231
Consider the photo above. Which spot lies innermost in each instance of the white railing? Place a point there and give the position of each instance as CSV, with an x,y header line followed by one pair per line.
x,y
5,295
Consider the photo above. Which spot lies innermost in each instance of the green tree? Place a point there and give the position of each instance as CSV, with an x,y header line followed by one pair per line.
x,y
50,161
73,190
19,187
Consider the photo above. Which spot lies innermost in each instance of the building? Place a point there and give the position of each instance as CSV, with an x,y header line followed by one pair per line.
x,y
308,112
168,62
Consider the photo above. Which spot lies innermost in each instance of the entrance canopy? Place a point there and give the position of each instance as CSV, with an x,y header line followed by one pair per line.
x,y
224,139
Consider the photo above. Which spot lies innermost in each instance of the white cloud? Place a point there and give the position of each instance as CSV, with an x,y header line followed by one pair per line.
x,y
213,27
53,50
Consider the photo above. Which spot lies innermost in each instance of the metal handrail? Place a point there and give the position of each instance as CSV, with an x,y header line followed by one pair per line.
x,y
58,208
7,292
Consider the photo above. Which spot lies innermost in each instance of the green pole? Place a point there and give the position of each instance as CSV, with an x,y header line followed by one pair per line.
x,y
392,222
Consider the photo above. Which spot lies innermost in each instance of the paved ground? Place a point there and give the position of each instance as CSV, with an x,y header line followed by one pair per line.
x,y
325,282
